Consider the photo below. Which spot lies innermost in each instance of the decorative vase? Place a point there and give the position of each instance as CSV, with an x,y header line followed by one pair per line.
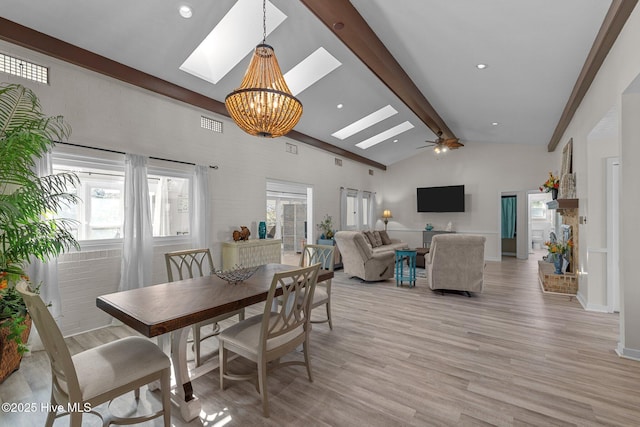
x,y
557,262
554,193
262,230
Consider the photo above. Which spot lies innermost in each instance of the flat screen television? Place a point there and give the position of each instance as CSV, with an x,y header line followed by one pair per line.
x,y
441,199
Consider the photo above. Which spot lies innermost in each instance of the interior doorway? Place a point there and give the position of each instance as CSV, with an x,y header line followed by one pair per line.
x,y
542,221
288,214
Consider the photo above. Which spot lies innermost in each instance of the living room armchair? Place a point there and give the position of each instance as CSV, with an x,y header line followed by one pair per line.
x,y
456,262
359,259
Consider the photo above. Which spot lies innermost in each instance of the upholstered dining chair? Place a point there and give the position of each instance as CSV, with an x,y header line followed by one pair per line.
x,y
279,330
192,263
98,375
323,254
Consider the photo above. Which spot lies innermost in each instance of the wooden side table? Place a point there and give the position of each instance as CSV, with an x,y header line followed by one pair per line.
x,y
410,274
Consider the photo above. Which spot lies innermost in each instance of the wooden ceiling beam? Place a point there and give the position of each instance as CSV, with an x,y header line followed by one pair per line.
x,y
56,48
350,27
612,25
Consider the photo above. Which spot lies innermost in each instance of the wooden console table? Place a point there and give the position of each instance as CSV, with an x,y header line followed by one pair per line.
x,y
251,253
428,235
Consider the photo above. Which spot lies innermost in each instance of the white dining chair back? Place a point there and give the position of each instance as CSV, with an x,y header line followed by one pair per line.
x,y
188,264
324,255
279,330
100,374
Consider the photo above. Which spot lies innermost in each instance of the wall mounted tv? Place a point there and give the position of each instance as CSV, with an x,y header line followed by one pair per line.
x,y
441,199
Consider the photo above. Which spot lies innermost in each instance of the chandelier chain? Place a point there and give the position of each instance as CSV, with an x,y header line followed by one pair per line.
x,y
264,21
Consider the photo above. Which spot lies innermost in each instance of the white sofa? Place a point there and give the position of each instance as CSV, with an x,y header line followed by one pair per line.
x,y
362,259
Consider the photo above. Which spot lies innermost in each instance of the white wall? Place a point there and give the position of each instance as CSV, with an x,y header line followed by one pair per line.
x,y
619,70
106,113
486,171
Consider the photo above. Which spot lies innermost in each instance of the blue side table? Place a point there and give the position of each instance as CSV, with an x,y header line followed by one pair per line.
x,y
410,274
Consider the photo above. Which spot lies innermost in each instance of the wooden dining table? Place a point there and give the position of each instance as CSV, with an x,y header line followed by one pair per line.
x,y
175,306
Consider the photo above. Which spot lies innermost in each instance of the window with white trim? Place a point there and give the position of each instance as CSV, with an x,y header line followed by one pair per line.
x,y
99,214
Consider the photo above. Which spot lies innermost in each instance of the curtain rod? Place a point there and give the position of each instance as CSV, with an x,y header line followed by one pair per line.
x,y
123,153
355,189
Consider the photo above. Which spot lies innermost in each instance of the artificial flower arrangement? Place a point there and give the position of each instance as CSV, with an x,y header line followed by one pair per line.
x,y
552,183
326,225
559,247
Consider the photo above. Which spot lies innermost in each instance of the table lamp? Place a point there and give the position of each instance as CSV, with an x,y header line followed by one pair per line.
x,y
386,214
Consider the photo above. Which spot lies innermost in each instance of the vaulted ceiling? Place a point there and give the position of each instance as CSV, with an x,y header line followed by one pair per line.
x,y
412,62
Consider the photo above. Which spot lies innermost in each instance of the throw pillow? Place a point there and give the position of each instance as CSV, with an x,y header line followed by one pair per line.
x,y
376,235
371,238
386,240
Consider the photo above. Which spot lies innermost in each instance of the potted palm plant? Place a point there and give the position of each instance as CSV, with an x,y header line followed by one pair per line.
x,y
28,202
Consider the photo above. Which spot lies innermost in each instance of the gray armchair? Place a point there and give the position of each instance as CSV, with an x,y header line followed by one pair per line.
x,y
456,262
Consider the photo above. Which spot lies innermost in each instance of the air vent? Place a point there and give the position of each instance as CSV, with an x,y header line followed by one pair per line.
x,y
291,148
338,162
25,69
207,123
370,171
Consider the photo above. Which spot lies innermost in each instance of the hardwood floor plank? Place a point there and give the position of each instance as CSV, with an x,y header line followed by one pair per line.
x,y
399,356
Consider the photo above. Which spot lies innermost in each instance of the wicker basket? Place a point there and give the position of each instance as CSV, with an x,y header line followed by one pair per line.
x,y
9,356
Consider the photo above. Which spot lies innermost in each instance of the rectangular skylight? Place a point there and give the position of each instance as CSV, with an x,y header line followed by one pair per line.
x,y
310,70
236,35
389,133
365,122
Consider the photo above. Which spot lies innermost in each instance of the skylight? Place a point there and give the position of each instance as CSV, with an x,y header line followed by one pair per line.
x,y
365,122
235,36
389,133
310,70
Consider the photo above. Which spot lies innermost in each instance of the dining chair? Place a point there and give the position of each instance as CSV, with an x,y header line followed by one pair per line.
x,y
279,330
323,254
85,380
188,264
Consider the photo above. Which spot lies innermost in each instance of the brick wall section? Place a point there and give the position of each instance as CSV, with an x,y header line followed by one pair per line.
x,y
557,283
85,275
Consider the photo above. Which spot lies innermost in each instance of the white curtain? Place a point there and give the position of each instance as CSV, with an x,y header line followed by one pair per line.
x,y
343,208
161,223
358,212
372,217
137,251
201,207
46,273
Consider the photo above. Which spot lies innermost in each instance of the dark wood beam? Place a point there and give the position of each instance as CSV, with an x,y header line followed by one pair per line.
x,y
56,48
614,21
350,27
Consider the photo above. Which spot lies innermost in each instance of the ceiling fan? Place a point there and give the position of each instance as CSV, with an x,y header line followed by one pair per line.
x,y
442,145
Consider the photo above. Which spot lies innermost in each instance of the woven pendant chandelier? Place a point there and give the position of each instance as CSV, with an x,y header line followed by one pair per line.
x,y
263,104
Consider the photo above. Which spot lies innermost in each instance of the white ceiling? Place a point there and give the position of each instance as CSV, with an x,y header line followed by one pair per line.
x,y
534,49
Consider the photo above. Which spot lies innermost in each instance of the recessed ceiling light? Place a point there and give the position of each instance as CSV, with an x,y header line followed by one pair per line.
x,y
494,124
339,106
365,122
481,66
310,70
232,39
395,140
389,133
185,11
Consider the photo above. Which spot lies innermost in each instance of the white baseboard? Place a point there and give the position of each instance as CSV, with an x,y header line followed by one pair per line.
x,y
598,308
628,353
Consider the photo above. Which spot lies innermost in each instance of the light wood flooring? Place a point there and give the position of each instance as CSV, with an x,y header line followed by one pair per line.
x,y
511,356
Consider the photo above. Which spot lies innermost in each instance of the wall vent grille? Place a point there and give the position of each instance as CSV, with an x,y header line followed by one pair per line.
x,y
291,148
210,124
370,171
338,162
25,69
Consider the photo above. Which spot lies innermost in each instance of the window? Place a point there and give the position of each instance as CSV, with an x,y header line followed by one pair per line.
x,y
99,215
359,204
169,195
